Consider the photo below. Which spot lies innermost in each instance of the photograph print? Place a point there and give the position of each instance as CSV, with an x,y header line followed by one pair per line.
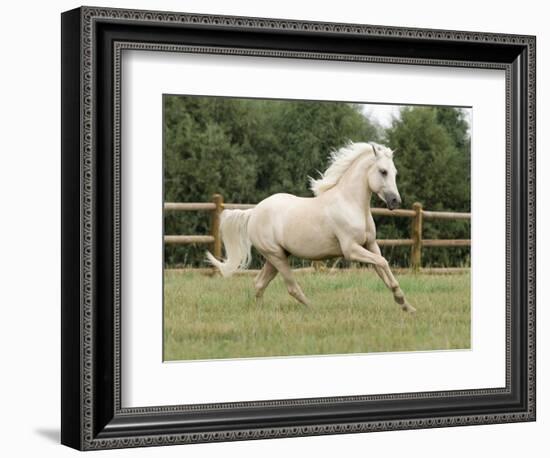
x,y
309,228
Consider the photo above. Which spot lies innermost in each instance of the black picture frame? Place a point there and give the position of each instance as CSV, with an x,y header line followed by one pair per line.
x,y
92,416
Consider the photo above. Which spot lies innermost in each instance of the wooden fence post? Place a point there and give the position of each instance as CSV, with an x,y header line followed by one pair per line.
x,y
216,248
416,236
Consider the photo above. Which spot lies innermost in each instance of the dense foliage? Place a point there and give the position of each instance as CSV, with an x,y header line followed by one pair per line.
x,y
248,149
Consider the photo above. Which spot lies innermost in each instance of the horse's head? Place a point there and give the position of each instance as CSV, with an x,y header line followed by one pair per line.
x,y
381,176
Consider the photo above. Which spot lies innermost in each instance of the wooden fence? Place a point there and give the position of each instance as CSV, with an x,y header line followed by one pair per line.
x,y
416,242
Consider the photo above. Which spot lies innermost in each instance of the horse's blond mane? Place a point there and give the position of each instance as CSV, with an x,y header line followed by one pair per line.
x,y
340,161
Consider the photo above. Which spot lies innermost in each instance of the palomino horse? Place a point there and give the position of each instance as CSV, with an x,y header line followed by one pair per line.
x,y
336,222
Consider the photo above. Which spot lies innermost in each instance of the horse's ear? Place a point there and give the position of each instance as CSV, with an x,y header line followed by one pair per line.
x,y
374,149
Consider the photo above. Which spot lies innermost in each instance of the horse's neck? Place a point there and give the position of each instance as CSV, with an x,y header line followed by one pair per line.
x,y
353,184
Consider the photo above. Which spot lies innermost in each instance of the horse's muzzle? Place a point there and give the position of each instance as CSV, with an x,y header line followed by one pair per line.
x,y
393,201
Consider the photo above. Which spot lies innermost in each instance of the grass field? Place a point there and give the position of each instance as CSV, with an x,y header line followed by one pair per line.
x,y
352,312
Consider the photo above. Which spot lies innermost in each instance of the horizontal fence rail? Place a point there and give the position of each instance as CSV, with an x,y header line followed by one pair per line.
x,y
445,215
188,239
416,242
189,206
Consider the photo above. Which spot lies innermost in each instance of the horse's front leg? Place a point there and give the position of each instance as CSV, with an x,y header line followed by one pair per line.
x,y
374,248
390,281
373,256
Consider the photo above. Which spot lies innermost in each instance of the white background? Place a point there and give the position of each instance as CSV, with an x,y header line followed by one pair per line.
x,y
147,76
30,244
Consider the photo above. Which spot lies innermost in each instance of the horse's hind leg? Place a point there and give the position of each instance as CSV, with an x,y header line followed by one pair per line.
x,y
280,262
263,279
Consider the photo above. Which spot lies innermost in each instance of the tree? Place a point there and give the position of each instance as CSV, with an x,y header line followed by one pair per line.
x,y
433,159
248,149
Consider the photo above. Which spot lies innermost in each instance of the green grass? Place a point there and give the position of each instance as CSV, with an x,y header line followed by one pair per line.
x,y
352,312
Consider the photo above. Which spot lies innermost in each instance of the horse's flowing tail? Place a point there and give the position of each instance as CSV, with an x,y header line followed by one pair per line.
x,y
233,229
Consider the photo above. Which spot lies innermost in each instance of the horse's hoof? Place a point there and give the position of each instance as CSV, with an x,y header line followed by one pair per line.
x,y
408,308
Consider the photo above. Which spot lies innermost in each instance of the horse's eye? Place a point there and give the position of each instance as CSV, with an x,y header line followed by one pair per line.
x,y
384,172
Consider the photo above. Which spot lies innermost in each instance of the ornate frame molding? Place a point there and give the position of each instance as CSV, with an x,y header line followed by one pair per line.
x,y
89,434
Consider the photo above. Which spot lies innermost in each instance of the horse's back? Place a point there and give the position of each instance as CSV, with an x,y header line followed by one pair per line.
x,y
276,200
